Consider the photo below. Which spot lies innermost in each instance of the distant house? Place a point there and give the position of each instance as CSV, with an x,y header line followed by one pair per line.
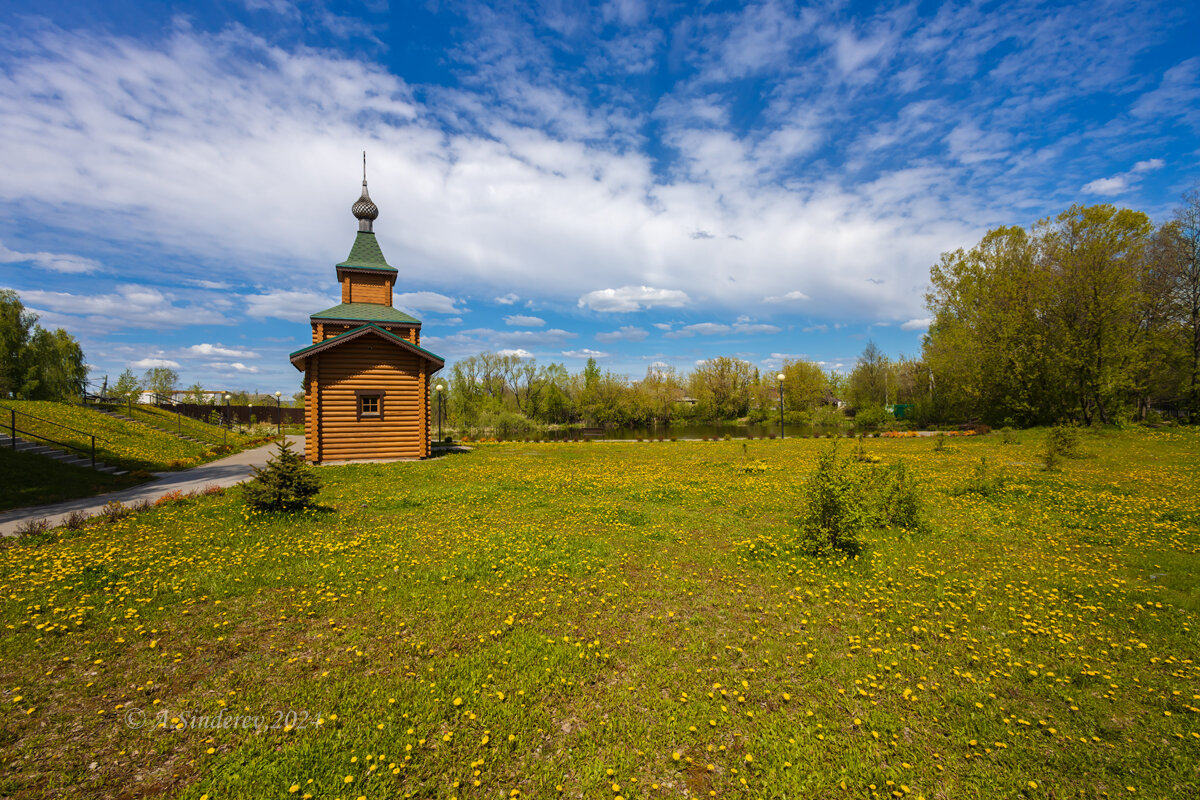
x,y
366,376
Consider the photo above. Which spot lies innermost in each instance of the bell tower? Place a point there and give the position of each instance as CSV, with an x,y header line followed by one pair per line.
x,y
365,275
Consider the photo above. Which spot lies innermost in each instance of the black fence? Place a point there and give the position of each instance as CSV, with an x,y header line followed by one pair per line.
x,y
220,414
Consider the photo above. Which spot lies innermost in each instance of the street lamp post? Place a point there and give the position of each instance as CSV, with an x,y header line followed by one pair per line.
x,y
441,388
279,413
779,378
225,429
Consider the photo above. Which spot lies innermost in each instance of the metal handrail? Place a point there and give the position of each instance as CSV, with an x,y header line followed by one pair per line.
x,y
14,430
51,422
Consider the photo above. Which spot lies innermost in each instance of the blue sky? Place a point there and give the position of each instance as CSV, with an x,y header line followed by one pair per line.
x,y
643,182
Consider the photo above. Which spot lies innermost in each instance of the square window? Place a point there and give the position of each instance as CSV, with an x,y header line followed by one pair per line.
x,y
368,405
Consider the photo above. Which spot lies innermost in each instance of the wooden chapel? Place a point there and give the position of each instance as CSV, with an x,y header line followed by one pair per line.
x,y
366,376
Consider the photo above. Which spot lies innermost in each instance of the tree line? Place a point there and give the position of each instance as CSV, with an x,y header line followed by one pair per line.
x,y
1093,315
508,392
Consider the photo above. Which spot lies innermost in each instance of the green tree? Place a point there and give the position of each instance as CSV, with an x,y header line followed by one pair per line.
x,y
16,328
1096,257
722,387
1185,294
127,385
987,345
805,385
36,364
868,382
160,380
285,483
659,392
54,368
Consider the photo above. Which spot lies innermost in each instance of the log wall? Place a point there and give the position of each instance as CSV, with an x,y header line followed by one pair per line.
x,y
360,288
367,363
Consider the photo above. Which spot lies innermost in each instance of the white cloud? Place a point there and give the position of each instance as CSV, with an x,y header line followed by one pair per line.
x,y
1107,186
743,327
585,353
130,306
518,352
219,350
55,262
508,182
750,329
150,363
1122,182
478,340
632,298
790,297
232,367
291,305
626,333
916,324
427,301
522,321
701,328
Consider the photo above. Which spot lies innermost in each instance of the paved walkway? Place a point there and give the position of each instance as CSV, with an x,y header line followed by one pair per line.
x,y
224,472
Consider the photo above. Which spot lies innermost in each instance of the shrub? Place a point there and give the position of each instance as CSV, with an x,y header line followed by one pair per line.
x,y
872,417
984,480
33,527
1063,440
939,442
860,453
76,520
170,497
286,483
834,518
115,510
1008,436
898,500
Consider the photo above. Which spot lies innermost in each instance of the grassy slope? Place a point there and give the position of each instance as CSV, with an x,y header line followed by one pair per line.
x,y
31,480
120,443
623,620
213,434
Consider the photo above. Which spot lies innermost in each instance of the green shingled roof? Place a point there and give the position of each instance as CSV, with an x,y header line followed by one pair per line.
x,y
365,254
366,312
354,332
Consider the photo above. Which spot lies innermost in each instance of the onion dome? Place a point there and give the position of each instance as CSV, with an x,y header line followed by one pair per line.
x,y
364,209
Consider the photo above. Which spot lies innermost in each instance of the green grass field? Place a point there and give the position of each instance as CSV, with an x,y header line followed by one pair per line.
x,y
622,620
